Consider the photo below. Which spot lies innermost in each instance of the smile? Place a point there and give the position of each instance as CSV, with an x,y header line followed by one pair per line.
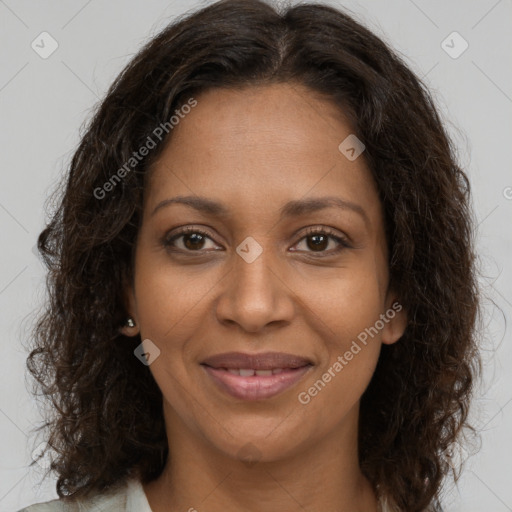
x,y
255,376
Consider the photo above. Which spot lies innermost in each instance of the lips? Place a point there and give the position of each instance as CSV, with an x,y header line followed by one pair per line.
x,y
262,361
255,376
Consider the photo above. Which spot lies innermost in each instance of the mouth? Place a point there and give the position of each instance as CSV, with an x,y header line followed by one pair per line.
x,y
256,376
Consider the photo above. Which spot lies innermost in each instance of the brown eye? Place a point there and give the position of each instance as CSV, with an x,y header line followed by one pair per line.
x,y
317,242
188,240
193,241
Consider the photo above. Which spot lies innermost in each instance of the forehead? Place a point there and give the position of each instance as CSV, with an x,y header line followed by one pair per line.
x,y
277,115
257,145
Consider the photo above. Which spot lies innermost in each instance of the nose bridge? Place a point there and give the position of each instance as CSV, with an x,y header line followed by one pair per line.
x,y
255,294
254,277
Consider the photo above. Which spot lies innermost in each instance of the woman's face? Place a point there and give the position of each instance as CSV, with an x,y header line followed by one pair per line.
x,y
263,168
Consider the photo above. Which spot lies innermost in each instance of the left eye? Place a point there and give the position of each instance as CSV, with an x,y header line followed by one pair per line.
x,y
316,240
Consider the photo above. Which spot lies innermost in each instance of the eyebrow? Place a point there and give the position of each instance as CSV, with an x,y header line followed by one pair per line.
x,y
293,208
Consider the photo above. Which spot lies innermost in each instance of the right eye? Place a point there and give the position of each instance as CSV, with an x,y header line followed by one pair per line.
x,y
193,240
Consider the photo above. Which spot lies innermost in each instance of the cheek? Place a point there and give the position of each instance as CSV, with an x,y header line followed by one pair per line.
x,y
350,307
347,303
349,353
170,299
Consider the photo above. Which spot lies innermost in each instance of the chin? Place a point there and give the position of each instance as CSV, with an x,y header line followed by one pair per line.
x,y
259,441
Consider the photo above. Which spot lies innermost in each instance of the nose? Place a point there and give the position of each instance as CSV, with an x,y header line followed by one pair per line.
x,y
256,295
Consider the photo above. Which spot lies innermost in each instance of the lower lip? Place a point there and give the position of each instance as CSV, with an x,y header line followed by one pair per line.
x,y
255,387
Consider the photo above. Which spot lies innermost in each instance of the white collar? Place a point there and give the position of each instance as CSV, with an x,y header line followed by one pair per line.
x,y
136,499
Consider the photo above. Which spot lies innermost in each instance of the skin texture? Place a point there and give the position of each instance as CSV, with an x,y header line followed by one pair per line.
x,y
105,422
254,150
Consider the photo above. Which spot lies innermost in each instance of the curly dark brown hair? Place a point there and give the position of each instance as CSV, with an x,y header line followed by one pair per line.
x,y
104,420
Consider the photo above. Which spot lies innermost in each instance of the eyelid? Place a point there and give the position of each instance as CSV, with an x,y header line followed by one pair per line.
x,y
168,239
334,233
342,239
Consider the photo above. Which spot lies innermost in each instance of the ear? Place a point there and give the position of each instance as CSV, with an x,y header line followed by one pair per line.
x,y
395,320
131,310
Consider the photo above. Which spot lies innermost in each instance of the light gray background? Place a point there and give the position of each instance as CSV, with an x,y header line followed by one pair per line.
x,y
43,103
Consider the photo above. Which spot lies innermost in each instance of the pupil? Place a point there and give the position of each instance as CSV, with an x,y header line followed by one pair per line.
x,y
196,239
317,244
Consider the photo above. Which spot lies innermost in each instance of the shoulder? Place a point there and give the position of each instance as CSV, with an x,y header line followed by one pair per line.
x,y
47,506
114,500
387,506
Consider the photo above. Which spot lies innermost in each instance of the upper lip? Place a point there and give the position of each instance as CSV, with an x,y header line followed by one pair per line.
x,y
261,361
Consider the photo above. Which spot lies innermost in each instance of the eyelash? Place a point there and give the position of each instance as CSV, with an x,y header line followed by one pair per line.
x,y
343,243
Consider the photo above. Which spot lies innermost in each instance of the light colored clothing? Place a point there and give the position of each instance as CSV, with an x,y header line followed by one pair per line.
x,y
128,496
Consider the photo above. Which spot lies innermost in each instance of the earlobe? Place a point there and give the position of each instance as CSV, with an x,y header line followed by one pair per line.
x,y
396,322
130,327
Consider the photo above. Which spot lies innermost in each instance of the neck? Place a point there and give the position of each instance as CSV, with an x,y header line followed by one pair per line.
x,y
320,476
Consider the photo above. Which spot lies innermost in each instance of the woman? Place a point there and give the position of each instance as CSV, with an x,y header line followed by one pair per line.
x,y
261,276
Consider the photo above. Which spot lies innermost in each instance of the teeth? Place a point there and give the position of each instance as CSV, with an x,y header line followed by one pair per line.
x,y
265,373
248,372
